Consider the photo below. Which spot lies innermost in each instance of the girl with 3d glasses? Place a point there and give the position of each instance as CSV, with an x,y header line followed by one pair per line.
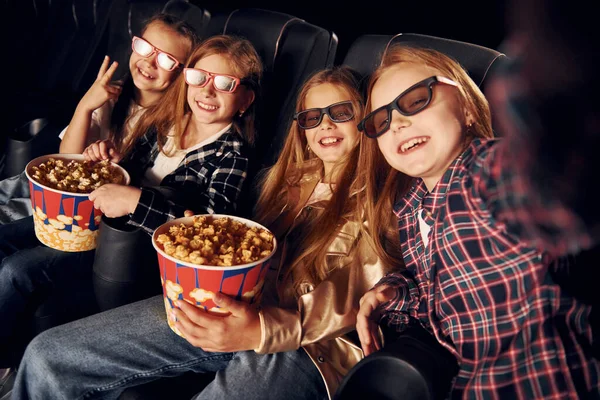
x,y
295,346
111,109
192,156
484,292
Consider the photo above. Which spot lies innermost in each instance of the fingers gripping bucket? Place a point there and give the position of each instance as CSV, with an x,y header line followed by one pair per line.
x,y
197,284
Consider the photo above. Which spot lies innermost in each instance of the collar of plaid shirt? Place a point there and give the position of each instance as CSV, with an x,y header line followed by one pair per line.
x,y
419,196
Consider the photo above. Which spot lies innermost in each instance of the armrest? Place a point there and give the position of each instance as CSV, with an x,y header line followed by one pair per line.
x,y
413,366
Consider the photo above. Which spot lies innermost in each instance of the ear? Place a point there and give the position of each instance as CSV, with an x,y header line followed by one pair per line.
x,y
469,118
248,100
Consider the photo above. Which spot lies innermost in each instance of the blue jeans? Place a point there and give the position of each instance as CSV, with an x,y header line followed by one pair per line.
x,y
100,356
30,273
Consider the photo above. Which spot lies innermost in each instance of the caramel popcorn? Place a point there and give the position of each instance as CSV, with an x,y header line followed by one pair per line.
x,y
218,241
76,176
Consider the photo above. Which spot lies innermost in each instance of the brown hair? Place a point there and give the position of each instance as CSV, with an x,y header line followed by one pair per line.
x,y
309,257
171,111
382,184
121,113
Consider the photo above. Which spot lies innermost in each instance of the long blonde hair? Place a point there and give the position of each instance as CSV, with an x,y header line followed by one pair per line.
x,y
382,184
171,111
308,258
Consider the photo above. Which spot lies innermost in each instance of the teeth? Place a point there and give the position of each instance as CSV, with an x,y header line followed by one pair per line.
x,y
145,74
206,106
329,140
411,143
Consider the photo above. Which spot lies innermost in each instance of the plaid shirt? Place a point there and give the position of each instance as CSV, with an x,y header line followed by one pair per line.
x,y
486,294
208,180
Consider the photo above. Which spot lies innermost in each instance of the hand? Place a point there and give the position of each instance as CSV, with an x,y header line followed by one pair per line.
x,y
115,200
238,331
102,150
102,89
368,317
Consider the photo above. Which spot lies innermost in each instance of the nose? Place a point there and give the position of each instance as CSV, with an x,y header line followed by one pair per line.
x,y
399,121
208,89
153,59
327,123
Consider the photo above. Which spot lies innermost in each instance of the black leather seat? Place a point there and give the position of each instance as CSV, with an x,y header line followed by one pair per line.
x,y
365,53
51,72
412,366
48,75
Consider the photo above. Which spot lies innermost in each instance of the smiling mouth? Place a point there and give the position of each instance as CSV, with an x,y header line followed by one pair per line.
x,y
207,107
144,74
413,143
330,141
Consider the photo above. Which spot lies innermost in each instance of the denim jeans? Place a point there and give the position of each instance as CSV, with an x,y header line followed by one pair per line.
x,y
100,356
14,198
30,273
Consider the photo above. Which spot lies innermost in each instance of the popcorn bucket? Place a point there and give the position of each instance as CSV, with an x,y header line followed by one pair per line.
x,y
197,284
63,220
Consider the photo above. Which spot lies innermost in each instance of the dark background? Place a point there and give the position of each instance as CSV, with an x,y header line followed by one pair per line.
x,y
479,22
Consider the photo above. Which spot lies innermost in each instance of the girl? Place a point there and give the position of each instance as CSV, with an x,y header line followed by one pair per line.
x,y
155,62
109,110
207,118
311,295
482,291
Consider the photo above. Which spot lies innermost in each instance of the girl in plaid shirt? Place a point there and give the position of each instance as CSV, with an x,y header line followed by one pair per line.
x,y
486,294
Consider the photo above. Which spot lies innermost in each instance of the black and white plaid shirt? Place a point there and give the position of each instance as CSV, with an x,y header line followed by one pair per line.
x,y
208,180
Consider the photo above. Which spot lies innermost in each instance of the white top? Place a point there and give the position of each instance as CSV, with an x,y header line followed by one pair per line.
x,y
322,192
100,123
170,157
425,229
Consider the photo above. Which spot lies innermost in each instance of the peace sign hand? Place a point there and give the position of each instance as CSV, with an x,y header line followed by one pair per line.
x,y
102,89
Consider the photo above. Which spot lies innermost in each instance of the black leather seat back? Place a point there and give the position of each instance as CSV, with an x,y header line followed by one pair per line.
x,y
54,56
365,53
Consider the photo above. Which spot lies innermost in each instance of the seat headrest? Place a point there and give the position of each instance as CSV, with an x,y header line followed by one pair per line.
x,y
365,53
197,17
263,28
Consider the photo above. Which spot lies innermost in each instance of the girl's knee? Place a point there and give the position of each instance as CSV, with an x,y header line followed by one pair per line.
x,y
38,355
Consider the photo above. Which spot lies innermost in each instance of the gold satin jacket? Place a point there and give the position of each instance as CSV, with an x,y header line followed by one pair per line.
x,y
318,317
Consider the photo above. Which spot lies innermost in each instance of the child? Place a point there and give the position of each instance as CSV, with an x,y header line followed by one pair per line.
x,y
482,291
201,128
109,110
310,297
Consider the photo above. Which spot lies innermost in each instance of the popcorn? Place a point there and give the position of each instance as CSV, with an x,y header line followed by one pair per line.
x,y
173,290
76,176
201,295
216,241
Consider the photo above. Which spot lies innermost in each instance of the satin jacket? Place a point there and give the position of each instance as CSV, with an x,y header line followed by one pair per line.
x,y
317,317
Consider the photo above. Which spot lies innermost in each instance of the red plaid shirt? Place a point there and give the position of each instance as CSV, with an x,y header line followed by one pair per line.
x,y
486,294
